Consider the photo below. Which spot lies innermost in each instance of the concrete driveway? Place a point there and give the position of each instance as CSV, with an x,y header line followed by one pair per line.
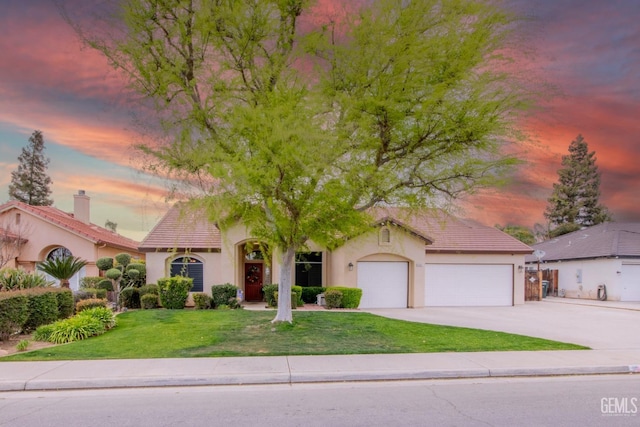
x,y
602,326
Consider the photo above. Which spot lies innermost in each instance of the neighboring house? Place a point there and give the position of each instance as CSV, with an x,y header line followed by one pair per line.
x,y
605,254
405,261
51,232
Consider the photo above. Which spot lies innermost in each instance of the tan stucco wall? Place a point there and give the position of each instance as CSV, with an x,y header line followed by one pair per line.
x,y
512,259
402,247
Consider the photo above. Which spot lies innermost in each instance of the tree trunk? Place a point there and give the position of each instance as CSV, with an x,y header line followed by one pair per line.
x,y
64,283
284,313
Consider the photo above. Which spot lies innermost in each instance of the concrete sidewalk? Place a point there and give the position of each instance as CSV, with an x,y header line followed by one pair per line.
x,y
18,376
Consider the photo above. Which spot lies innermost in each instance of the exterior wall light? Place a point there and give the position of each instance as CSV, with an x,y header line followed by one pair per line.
x,y
350,266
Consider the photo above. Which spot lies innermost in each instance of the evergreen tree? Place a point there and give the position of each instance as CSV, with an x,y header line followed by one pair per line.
x,y
30,183
575,198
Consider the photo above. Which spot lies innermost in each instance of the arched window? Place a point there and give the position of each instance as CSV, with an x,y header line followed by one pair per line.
x,y
60,252
189,267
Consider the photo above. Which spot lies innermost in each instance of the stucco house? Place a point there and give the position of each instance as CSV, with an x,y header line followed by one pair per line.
x,y
405,261
606,254
50,232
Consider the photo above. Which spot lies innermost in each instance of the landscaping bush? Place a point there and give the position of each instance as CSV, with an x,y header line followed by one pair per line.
x,y
43,332
90,282
310,293
221,294
103,314
13,279
106,285
75,328
174,291
148,289
87,293
130,298
104,264
43,308
202,301
298,291
333,298
149,301
14,312
66,303
269,291
294,299
350,296
86,304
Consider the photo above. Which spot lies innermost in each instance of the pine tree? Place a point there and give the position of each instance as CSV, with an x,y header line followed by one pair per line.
x,y
575,198
30,183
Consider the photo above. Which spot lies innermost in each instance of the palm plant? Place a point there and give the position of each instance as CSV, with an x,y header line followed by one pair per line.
x,y
62,268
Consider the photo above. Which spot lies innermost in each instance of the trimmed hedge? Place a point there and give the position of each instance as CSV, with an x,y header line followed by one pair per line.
x,y
294,299
148,289
87,304
66,304
90,281
149,301
202,301
333,298
222,294
14,312
43,308
174,291
310,293
130,298
87,293
269,291
350,296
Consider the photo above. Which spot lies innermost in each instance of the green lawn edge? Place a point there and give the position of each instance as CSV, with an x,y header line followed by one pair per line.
x,y
150,334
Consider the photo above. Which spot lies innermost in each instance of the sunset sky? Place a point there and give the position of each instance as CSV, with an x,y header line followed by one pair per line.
x,y
588,49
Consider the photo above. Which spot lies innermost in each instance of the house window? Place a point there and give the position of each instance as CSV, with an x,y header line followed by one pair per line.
x,y
308,269
385,236
189,267
60,252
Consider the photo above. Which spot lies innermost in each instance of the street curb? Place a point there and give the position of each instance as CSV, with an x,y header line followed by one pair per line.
x,y
302,378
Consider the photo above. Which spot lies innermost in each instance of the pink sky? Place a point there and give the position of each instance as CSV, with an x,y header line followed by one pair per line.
x,y
588,49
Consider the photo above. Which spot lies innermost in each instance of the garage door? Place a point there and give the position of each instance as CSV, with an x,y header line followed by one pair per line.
x,y
449,285
383,284
630,283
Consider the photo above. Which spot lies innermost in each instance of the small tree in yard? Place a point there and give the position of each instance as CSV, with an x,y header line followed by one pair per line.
x,y
62,268
296,130
12,240
30,183
122,273
574,202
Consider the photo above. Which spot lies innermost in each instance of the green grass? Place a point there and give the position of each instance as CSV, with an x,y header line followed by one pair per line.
x,y
209,333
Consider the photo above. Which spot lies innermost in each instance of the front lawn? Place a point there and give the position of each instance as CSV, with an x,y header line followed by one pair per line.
x,y
212,333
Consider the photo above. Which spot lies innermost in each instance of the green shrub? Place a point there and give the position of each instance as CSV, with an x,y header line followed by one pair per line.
x,y
221,294
66,303
149,301
75,328
13,279
43,308
130,298
298,291
14,312
106,285
235,303
350,296
174,291
333,298
113,274
294,299
90,281
22,345
124,259
202,301
43,333
148,289
140,267
104,264
86,304
310,293
87,293
269,291
103,314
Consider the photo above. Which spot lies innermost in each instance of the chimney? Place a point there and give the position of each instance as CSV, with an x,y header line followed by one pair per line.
x,y
81,206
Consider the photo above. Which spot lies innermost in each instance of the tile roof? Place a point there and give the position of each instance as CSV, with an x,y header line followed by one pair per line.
x,y
449,234
442,233
182,229
92,232
610,239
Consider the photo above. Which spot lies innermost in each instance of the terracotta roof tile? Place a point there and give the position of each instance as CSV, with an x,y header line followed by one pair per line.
x,y
610,239
182,229
92,232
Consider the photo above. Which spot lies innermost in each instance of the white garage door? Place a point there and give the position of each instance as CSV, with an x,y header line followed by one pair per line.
x,y
449,285
383,284
630,283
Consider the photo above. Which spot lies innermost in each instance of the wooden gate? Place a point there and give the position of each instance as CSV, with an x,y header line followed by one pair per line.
x,y
533,283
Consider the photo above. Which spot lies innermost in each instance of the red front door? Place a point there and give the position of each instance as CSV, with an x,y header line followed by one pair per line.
x,y
253,281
